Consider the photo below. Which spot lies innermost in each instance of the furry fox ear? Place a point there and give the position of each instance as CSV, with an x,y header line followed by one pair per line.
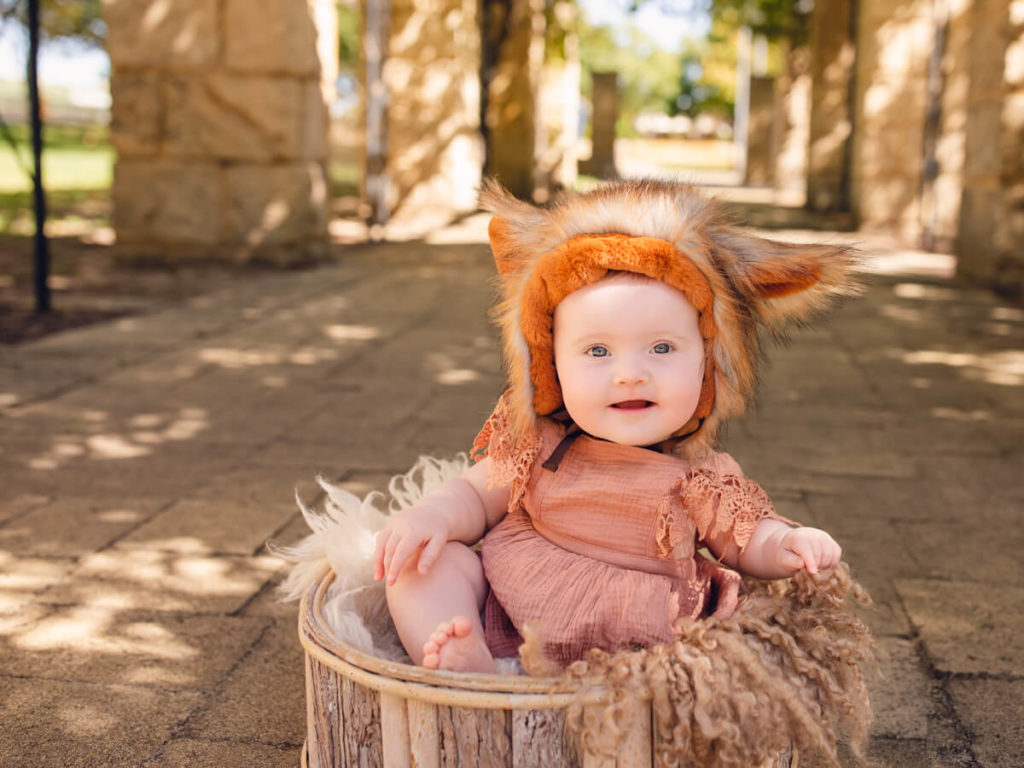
x,y
788,281
500,233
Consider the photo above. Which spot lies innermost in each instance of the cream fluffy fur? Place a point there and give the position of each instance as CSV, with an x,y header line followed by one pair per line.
x,y
343,537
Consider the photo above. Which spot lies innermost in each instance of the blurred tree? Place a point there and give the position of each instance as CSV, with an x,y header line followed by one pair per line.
x,y
79,20
648,75
708,76
774,19
349,30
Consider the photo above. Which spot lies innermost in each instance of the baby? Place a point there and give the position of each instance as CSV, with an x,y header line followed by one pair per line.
x,y
629,323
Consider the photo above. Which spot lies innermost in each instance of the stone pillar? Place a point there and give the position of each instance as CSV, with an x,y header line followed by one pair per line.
x,y
792,126
990,242
219,121
604,114
559,111
434,153
941,204
761,132
833,56
894,44
513,94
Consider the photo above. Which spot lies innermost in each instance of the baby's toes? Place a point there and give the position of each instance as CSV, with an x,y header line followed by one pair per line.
x,y
461,626
439,638
431,660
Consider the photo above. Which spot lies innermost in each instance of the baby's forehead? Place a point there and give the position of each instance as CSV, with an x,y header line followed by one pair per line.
x,y
638,282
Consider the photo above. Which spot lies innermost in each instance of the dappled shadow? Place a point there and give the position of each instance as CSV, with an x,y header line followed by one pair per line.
x,y
138,498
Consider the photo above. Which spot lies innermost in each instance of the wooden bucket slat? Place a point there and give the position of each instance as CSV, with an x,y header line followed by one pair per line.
x,y
394,731
477,737
360,713
326,726
540,737
424,734
308,760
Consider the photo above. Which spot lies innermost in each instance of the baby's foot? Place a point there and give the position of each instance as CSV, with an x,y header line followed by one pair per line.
x,y
455,646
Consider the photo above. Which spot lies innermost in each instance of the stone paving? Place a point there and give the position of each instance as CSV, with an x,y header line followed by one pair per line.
x,y
146,461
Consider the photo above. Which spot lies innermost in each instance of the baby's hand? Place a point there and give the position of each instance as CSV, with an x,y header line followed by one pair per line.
x,y
809,548
406,533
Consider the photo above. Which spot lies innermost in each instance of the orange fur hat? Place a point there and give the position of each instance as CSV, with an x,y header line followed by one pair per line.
x,y
737,282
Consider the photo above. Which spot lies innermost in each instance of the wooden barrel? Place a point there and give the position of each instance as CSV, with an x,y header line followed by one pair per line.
x,y
363,712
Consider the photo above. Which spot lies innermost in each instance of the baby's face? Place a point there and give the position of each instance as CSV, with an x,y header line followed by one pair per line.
x,y
630,359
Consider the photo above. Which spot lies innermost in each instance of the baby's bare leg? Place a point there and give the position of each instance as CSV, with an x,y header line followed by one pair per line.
x,y
438,615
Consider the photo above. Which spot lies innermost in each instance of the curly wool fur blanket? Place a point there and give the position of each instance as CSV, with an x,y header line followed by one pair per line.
x,y
786,669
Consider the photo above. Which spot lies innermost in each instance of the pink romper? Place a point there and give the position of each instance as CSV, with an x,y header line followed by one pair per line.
x,y
599,548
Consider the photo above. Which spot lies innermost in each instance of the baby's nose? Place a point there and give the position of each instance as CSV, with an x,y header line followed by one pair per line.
x,y
630,374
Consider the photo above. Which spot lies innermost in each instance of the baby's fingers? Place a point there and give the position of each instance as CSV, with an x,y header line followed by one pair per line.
x,y
809,554
378,554
401,553
831,555
430,553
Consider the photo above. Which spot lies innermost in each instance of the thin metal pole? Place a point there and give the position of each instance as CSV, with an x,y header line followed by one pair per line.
x,y
42,246
375,49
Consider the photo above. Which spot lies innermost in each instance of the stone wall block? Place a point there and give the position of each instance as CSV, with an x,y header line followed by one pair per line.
x,y
172,204
1015,64
761,140
888,205
136,114
831,67
275,205
989,39
1012,145
976,243
888,151
271,37
228,117
983,152
161,33
312,123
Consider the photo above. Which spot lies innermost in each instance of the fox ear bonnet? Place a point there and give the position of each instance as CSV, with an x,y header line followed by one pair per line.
x,y
737,282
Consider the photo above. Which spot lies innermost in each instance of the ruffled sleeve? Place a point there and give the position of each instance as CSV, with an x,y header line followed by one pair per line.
x,y
704,504
511,459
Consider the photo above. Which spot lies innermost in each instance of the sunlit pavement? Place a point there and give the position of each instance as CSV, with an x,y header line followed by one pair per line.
x,y
145,462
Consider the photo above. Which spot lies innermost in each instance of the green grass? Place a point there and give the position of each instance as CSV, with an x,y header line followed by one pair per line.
x,y
73,159
77,172
343,174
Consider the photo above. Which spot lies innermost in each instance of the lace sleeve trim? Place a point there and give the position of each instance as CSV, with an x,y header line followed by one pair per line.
x,y
511,459
711,505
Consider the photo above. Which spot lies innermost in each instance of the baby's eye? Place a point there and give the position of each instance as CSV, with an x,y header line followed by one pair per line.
x,y
598,351
661,348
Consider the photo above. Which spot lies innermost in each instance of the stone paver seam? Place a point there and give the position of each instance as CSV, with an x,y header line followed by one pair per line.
x,y
850,348
159,509
181,729
965,737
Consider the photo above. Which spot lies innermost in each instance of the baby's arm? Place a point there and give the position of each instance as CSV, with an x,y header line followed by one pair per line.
x,y
461,509
777,551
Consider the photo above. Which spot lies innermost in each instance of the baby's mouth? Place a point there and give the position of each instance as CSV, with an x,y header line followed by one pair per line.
x,y
633,405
